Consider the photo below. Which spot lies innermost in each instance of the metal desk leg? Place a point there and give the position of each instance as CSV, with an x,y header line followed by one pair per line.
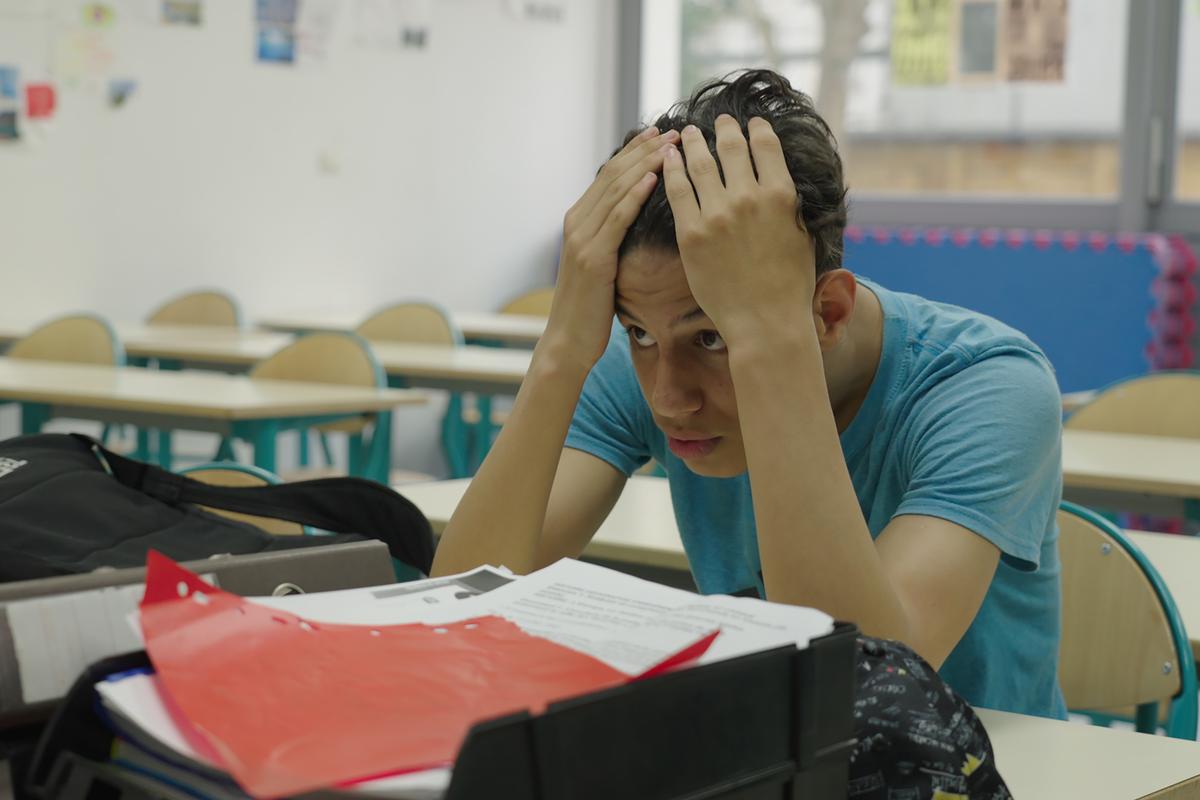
x,y
141,450
164,449
455,444
264,434
34,416
481,440
379,455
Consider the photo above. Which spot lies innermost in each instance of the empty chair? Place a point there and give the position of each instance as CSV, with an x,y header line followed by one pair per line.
x,y
1123,641
421,322
1159,404
75,339
535,303
415,322
78,339
204,307
341,358
233,474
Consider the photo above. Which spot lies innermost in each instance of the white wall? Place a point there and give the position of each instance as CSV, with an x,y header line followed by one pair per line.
x,y
452,166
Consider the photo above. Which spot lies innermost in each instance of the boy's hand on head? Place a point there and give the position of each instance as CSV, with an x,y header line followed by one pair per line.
x,y
743,247
585,294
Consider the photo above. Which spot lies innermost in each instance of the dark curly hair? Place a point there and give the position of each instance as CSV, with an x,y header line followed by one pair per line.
x,y
808,147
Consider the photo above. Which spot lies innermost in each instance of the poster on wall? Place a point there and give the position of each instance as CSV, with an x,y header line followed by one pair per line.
x,y
120,90
1035,39
182,12
97,15
9,131
921,42
275,21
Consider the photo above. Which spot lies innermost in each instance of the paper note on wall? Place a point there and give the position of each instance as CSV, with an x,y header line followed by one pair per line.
x,y
81,57
392,23
8,82
920,42
39,100
1035,39
315,24
182,12
119,91
276,30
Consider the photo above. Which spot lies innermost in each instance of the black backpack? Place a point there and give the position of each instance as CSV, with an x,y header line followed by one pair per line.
x,y
917,738
69,506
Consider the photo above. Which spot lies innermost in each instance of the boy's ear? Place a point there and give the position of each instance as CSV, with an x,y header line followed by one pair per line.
x,y
833,303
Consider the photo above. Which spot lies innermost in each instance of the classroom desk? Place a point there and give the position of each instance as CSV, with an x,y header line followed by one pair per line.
x,y
230,405
469,368
1048,759
466,368
1038,758
1119,462
640,530
1177,559
518,330
188,344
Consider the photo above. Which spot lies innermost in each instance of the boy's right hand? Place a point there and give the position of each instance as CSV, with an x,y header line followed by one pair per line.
x,y
584,296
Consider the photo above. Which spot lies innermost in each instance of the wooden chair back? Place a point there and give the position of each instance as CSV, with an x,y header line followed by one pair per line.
x,y
78,339
204,307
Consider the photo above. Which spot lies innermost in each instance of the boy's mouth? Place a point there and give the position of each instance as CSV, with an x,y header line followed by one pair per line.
x,y
693,447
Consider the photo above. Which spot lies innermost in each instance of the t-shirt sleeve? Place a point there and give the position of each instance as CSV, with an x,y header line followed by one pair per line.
x,y
612,421
985,452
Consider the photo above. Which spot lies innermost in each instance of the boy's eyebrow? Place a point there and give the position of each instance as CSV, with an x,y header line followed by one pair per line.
x,y
695,313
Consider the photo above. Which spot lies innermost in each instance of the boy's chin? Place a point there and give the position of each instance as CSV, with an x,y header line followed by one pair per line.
x,y
716,467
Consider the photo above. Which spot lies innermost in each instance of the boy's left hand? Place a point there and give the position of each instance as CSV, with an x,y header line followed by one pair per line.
x,y
744,249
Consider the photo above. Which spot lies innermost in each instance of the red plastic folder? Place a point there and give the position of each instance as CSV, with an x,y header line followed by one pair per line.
x,y
293,706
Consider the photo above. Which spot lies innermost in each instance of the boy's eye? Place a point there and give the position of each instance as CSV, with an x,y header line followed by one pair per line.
x,y
711,340
639,336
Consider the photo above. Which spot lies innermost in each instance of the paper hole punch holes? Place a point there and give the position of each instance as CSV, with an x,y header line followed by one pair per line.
x,y
440,630
471,626
305,626
182,589
201,598
375,633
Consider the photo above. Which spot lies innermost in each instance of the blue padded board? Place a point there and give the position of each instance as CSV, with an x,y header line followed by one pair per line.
x,y
1087,310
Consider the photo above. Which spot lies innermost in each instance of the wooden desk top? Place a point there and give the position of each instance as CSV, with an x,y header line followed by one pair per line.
x,y
464,363
1042,759
517,329
235,348
640,530
210,395
1126,463
193,343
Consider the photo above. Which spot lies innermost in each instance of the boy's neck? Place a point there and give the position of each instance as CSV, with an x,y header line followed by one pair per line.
x,y
856,359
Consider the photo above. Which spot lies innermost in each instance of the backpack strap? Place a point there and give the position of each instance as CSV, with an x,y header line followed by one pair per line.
x,y
342,505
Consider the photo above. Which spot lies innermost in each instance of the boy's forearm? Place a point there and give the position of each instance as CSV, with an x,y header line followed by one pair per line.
x,y
814,544
499,520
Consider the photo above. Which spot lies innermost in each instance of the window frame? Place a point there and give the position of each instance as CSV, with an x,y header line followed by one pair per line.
x,y
1148,145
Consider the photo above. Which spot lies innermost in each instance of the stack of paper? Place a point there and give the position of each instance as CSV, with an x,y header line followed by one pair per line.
x,y
371,691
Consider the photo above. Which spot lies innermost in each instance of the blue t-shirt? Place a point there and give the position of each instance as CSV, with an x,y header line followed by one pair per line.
x,y
961,422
